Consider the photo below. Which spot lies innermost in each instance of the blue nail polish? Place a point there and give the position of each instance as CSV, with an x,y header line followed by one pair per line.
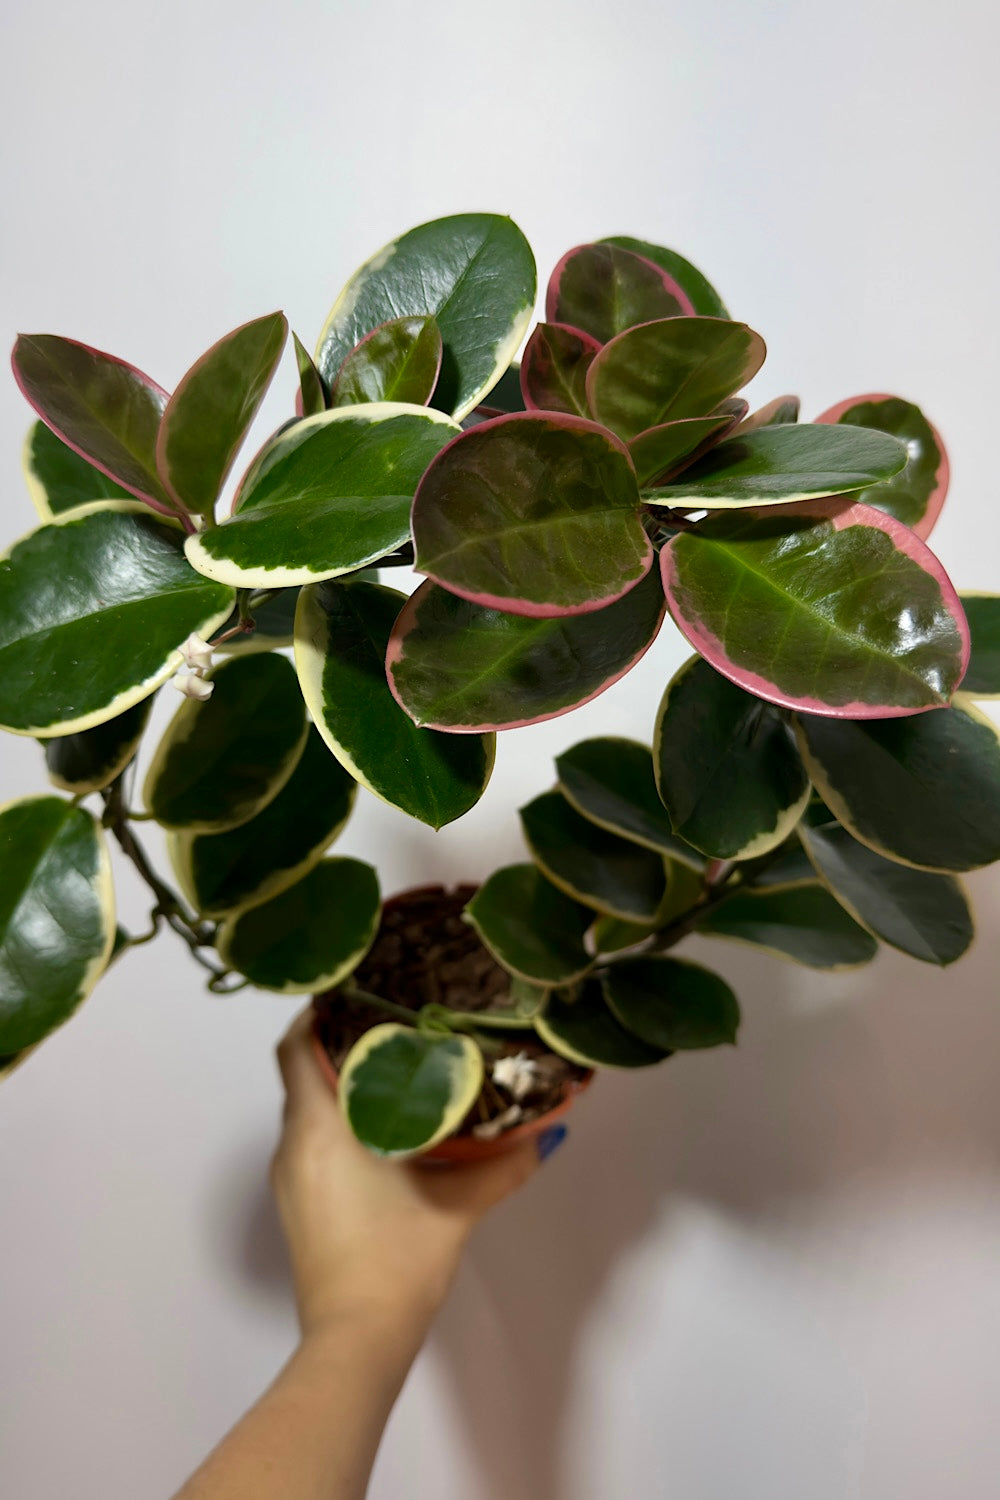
x,y
550,1140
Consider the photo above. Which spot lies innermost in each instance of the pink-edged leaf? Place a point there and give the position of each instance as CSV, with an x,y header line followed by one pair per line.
x,y
828,606
212,409
915,495
603,289
669,370
777,413
456,666
534,513
554,369
398,361
661,451
310,398
103,408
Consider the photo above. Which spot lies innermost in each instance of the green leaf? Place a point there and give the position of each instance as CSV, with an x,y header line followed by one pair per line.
x,y
916,493
612,782
924,791
92,759
778,465
456,665
982,611
57,922
106,410
402,1090
554,369
670,370
703,297
310,936
833,607
671,1004
342,631
602,290
506,395
93,611
400,361
535,513
583,1029
474,273
925,915
328,495
804,923
59,479
274,626
661,449
312,393
776,413
530,926
210,412
516,1010
220,872
727,767
591,865
223,759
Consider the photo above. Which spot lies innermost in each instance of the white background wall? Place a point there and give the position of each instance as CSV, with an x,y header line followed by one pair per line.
x,y
771,1273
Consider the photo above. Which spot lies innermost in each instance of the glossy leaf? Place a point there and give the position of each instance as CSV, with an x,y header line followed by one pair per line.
x,y
670,370
590,864
273,626
776,413
223,759
311,935
92,759
455,665
400,361
535,513
602,289
924,791
59,479
474,273
726,764
788,866
925,915
583,1029
211,411
311,399
671,1004
803,922
703,297
57,923
982,611
93,611
833,607
554,369
403,1090
916,493
329,495
342,631
612,782
659,450
219,872
530,926
505,396
106,410
778,465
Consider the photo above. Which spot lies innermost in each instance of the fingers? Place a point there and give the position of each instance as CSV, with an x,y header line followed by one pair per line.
x,y
306,1089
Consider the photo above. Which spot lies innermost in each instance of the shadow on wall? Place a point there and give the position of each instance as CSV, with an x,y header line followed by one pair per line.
x,y
838,1081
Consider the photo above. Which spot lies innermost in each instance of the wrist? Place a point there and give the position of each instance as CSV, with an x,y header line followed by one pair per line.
x,y
402,1296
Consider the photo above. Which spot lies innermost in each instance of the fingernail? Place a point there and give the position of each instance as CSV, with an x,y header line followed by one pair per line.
x,y
550,1140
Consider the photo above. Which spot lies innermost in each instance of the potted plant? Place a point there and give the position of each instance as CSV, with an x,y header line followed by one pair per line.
x,y
819,774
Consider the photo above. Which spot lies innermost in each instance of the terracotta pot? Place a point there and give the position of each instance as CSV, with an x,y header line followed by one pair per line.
x,y
464,1148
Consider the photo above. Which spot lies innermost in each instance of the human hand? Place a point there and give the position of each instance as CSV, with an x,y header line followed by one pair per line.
x,y
385,1235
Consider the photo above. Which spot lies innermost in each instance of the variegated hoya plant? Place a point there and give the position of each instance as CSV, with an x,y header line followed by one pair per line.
x,y
819,772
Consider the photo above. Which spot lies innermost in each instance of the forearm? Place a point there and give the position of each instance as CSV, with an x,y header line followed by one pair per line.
x,y
314,1434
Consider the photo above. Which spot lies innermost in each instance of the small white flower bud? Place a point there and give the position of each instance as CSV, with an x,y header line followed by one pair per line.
x,y
197,654
193,685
